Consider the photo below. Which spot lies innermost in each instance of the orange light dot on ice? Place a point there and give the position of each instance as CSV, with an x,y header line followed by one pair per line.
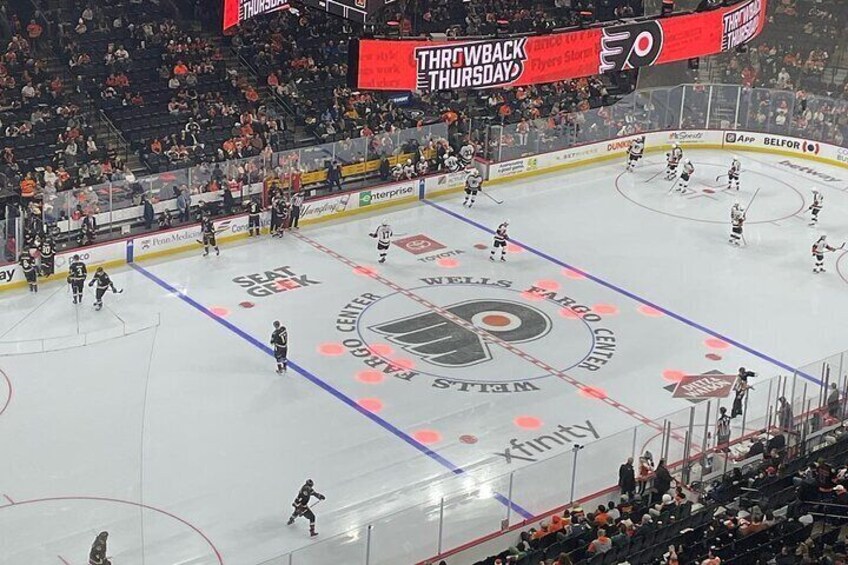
x,y
593,392
448,262
673,375
381,349
531,296
569,314
220,311
528,422
649,311
715,343
547,284
407,364
572,274
427,437
370,377
512,248
331,349
371,404
607,309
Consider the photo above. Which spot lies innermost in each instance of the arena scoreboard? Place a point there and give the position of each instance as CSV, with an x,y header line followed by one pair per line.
x,y
237,11
520,60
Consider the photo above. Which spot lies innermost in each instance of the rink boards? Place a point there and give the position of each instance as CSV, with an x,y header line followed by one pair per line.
x,y
333,207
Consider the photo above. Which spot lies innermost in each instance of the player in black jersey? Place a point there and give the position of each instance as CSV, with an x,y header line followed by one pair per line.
x,y
77,274
253,211
104,283
98,550
48,252
301,505
88,229
208,228
28,267
280,343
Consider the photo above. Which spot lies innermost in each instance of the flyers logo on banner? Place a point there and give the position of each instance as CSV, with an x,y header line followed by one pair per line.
x,y
630,46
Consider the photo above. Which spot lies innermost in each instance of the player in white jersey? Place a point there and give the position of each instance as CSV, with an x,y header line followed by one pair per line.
x,y
452,163
466,154
821,247
815,207
422,167
733,174
397,171
383,235
685,175
473,184
408,170
673,159
635,152
737,221
501,237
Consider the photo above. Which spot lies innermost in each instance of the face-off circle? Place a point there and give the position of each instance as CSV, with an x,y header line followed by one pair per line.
x,y
708,201
475,333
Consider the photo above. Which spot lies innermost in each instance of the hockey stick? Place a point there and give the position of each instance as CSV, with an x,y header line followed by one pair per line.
x,y
673,186
748,208
492,198
724,175
655,176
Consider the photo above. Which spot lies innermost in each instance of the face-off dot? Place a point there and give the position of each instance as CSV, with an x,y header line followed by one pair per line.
x,y
468,439
547,284
605,309
448,262
528,422
569,314
496,320
331,349
403,363
713,356
381,349
371,404
364,271
427,437
480,246
572,274
593,392
649,311
673,375
370,377
220,311
715,343
247,304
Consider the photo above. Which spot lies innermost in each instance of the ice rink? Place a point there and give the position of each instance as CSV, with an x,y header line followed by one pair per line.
x,y
161,419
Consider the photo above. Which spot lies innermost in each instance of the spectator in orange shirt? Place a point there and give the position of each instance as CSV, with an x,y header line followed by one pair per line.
x,y
180,69
251,95
601,517
601,544
34,32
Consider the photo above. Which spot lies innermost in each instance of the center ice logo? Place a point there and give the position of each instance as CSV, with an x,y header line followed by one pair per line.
x,y
446,342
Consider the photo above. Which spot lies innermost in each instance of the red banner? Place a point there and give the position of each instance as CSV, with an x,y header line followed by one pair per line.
x,y
386,64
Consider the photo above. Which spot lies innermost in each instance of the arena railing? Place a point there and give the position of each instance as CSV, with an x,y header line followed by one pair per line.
x,y
690,106
116,203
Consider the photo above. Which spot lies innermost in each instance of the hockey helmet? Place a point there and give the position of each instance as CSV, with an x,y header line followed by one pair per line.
x,y
99,269
309,482
675,146
76,257
385,222
823,237
506,222
276,323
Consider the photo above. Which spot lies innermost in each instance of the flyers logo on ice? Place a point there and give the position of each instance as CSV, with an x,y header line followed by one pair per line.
x,y
630,46
444,342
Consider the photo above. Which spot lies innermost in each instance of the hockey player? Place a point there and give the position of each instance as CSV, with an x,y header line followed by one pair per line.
x,y
296,205
737,220
27,264
815,207
685,175
473,184
397,171
673,159
253,211
77,274
104,283
408,170
88,228
422,167
452,163
209,238
280,211
501,237
280,343
383,234
97,556
821,247
733,174
301,505
635,152
466,155
48,253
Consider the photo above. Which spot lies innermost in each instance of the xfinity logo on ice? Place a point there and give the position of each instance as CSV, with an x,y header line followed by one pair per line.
x,y
809,171
563,436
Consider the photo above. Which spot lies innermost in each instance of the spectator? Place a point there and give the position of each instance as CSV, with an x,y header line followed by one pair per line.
x,y
833,402
627,478
183,206
785,418
662,478
601,544
334,175
148,214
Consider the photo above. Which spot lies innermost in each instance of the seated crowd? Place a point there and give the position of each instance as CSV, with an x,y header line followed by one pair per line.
x,y
784,508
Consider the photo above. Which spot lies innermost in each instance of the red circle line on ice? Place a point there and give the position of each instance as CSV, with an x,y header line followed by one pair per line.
x,y
165,513
8,400
621,190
